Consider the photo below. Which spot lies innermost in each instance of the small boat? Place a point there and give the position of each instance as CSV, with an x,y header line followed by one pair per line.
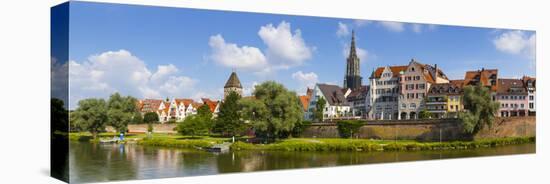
x,y
112,140
219,148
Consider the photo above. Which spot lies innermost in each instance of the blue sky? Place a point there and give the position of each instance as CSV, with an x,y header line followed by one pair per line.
x,y
161,52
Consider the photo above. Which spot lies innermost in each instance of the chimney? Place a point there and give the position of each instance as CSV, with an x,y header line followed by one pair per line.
x,y
435,66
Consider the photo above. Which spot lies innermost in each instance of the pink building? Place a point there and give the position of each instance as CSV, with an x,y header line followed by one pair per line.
x,y
512,95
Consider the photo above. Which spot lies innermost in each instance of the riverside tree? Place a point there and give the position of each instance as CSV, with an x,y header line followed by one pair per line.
x,y
229,120
274,111
150,117
318,111
198,124
424,114
91,115
137,118
121,111
480,109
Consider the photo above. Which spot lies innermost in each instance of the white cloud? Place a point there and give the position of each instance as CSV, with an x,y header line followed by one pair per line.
x,y
306,79
120,71
248,89
163,71
419,28
233,56
393,26
176,86
59,79
284,49
343,30
532,46
516,42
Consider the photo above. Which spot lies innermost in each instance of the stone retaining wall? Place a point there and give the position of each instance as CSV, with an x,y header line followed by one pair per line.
x,y
428,130
142,128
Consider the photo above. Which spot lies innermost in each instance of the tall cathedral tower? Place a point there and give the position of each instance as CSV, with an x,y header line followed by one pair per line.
x,y
353,77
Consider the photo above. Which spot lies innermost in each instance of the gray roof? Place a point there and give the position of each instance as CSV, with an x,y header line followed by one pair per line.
x,y
359,93
333,94
233,81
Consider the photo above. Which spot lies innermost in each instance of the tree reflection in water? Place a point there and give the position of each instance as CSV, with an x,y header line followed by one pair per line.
x,y
108,162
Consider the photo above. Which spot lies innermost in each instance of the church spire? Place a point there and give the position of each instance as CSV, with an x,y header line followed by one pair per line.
x,y
353,78
352,52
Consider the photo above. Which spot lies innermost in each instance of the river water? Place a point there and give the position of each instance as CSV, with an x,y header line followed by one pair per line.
x,y
110,162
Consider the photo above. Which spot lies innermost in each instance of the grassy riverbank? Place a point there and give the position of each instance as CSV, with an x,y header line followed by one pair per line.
x,y
306,144
376,145
156,139
182,141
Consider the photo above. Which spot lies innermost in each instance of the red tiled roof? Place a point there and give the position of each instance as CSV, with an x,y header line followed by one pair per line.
x,y
185,101
304,100
451,88
394,69
153,104
211,104
511,86
457,82
429,78
481,76
196,104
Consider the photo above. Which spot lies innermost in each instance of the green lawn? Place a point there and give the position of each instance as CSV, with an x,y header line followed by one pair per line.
x,y
305,144
321,144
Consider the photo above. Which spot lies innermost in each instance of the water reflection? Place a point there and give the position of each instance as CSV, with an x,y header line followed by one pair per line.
x,y
107,162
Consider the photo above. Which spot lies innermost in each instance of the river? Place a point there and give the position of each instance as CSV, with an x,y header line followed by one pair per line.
x,y
111,162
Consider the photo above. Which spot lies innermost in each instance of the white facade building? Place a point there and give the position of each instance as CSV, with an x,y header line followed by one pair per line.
x,y
336,106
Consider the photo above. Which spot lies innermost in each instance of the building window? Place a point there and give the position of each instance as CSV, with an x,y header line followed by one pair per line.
x,y
422,86
403,106
531,105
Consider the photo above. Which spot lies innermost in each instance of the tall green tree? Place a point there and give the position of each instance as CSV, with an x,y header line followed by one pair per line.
x,y
205,115
198,124
480,109
192,125
150,117
348,128
229,120
91,115
319,107
275,111
137,118
121,111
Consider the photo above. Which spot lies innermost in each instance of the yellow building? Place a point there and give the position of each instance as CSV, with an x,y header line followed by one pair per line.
x,y
445,100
